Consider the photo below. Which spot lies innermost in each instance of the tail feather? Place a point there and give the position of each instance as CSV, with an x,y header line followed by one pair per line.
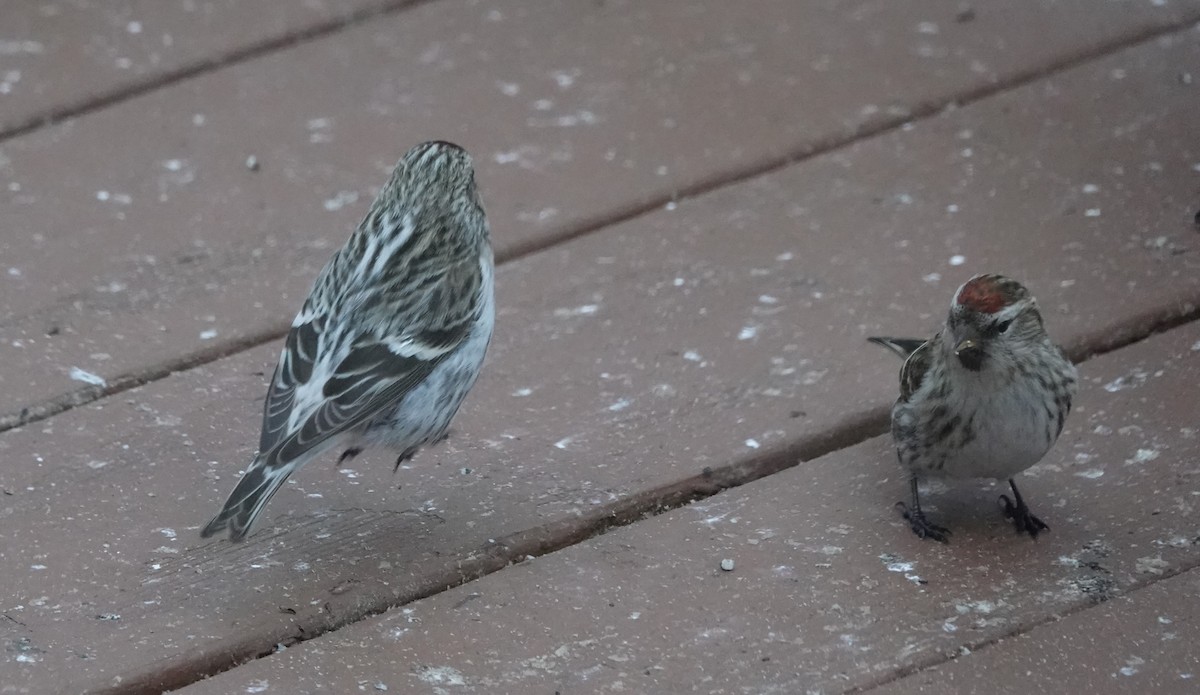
x,y
260,482
901,346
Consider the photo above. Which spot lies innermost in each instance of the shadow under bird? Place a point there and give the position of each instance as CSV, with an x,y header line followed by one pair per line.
x,y
985,397
391,338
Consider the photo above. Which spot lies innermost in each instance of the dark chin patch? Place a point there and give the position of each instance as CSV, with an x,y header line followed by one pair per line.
x,y
971,359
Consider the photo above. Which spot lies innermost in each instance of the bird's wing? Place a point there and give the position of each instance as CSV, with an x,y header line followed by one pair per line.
x,y
372,376
914,369
901,346
1066,395
405,338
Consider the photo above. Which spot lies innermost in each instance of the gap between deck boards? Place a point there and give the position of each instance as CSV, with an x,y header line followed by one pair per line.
x,y
58,404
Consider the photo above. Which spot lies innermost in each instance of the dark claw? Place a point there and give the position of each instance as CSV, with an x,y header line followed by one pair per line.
x,y
404,456
922,526
348,454
1023,520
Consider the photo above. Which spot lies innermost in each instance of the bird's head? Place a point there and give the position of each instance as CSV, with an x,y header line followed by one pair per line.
x,y
432,191
992,320
433,171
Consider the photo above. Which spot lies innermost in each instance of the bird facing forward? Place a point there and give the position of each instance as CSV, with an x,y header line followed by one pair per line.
x,y
985,397
391,338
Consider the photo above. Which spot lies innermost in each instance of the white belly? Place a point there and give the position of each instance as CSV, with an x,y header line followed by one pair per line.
x,y
1010,436
1000,431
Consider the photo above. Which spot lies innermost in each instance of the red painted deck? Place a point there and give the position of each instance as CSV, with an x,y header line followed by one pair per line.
x,y
700,211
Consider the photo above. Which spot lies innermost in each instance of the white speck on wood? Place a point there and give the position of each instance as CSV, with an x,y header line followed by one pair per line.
x,y
585,310
342,199
1152,565
440,674
1142,456
17,47
87,377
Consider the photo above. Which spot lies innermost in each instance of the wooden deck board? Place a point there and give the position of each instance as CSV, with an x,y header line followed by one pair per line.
x,y
703,345
60,59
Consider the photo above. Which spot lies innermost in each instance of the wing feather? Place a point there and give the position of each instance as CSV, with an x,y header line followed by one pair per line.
x,y
295,368
914,369
901,346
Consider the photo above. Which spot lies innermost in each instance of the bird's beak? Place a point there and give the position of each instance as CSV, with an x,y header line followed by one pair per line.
x,y
969,353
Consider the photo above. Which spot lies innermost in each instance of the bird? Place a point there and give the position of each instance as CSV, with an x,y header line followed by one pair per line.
x,y
986,397
391,337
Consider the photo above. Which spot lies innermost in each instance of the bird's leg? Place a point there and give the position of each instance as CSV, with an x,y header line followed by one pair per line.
x,y
348,454
916,518
1024,521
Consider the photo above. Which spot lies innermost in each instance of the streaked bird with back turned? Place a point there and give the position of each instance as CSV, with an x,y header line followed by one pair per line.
x,y
391,338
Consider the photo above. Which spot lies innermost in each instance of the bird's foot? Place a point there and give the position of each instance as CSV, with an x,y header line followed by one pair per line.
x,y
922,526
348,454
1022,519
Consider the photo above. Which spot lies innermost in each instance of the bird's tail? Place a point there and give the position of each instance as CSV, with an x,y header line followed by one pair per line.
x,y
260,482
901,346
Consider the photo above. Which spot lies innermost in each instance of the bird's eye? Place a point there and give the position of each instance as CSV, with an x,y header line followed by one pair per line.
x,y
1003,326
